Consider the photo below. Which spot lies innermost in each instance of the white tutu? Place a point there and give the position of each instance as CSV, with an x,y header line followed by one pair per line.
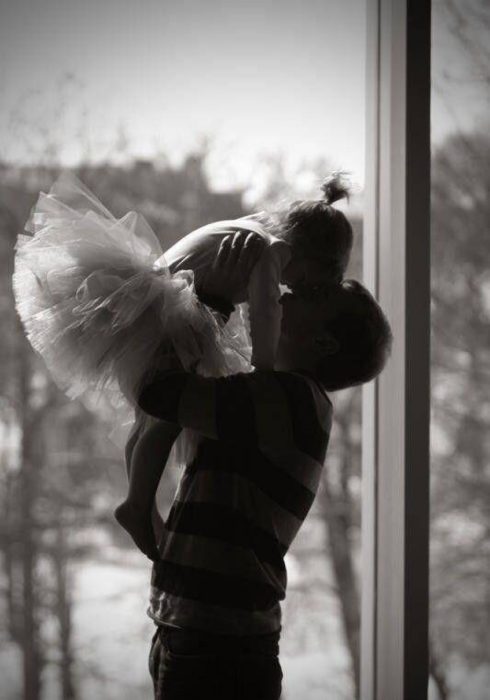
x,y
97,310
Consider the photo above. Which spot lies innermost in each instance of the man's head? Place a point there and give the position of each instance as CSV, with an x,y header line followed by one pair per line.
x,y
343,338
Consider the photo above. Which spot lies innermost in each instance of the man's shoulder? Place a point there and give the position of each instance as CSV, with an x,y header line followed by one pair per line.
x,y
294,407
296,389
292,378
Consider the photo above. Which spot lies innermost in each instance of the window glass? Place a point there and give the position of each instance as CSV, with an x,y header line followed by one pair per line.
x,y
186,112
460,447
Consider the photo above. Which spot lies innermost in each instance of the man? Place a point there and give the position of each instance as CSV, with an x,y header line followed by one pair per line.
x,y
217,587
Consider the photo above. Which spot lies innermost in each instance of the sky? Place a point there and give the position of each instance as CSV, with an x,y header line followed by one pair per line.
x,y
160,76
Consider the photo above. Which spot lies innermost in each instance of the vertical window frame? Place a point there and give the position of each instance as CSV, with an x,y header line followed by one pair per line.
x,y
396,408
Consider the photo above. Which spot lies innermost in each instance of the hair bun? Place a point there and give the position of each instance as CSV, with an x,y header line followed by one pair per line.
x,y
335,187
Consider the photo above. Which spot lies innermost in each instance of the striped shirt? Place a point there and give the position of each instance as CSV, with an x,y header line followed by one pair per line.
x,y
242,500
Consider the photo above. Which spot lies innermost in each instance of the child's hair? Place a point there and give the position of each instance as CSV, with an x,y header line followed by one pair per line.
x,y
364,337
317,230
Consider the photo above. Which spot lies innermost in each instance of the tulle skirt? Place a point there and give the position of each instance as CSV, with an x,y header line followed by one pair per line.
x,y
103,316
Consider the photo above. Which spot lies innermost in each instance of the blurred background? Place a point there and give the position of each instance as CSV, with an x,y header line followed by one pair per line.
x,y
189,113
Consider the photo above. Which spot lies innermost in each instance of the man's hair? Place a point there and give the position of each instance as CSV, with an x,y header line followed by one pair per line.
x,y
364,337
318,231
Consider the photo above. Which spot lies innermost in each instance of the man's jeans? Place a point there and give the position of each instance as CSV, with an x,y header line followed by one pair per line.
x,y
191,665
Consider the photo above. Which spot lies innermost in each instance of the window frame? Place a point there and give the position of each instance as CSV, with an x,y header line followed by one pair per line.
x,y
396,408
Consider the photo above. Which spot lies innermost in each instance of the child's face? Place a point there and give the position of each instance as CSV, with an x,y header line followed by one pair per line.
x,y
303,315
307,272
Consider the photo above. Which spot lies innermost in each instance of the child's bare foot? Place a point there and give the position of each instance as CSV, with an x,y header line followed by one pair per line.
x,y
138,523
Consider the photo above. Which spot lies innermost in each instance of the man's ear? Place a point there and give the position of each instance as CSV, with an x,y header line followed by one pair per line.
x,y
327,344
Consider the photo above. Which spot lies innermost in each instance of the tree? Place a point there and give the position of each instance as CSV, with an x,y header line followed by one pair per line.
x,y
460,619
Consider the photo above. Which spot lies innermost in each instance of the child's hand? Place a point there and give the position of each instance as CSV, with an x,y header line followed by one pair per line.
x,y
231,270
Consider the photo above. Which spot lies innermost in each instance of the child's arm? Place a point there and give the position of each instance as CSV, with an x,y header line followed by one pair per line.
x,y
264,308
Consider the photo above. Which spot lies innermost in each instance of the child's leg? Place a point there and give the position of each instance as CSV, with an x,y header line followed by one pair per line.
x,y
147,458
135,434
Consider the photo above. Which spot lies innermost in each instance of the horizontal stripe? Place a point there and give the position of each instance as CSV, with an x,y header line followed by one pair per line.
x,y
299,466
323,406
182,612
220,557
225,525
235,411
274,425
197,406
230,489
310,435
257,468
210,587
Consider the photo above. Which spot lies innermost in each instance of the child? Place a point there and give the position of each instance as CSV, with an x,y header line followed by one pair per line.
x,y
106,309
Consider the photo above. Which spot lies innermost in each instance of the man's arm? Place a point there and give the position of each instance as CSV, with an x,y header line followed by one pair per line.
x,y
236,258
220,408
277,410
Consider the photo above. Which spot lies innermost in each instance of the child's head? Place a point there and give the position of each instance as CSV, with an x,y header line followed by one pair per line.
x,y
341,336
320,237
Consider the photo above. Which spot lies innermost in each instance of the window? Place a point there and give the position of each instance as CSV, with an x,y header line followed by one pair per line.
x,y
396,408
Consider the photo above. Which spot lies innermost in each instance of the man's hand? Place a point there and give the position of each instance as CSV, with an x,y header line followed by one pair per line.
x,y
234,263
